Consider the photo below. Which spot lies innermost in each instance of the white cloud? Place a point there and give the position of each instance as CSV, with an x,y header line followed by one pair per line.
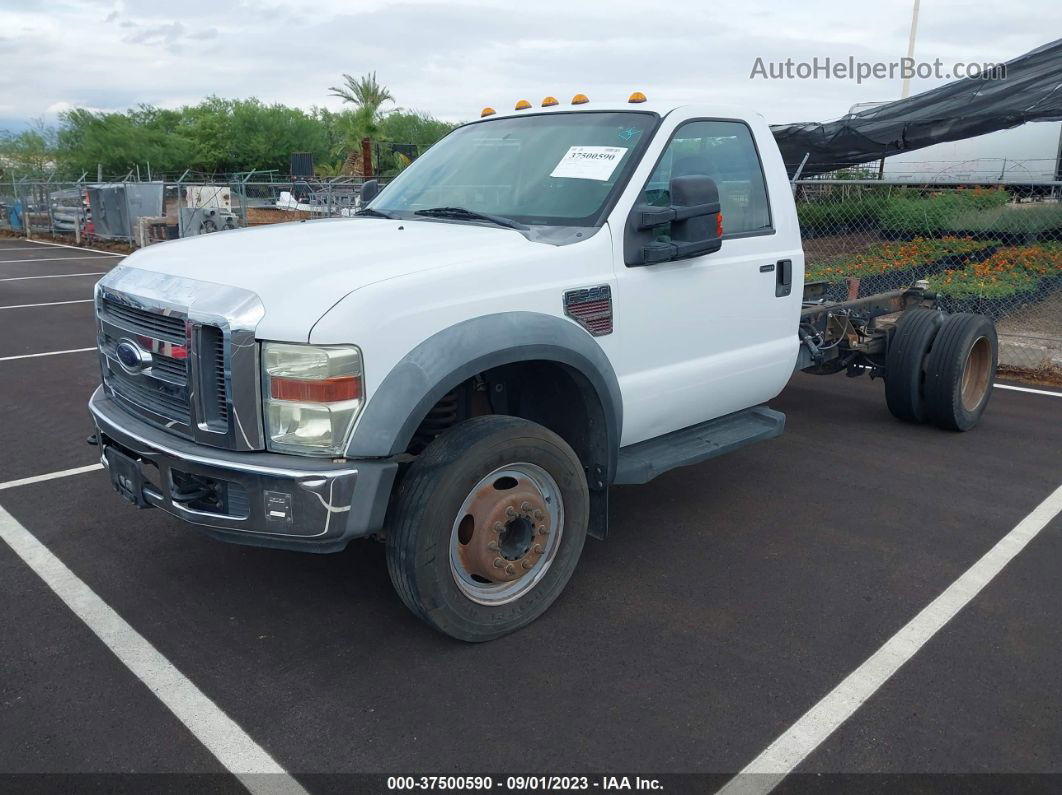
x,y
451,58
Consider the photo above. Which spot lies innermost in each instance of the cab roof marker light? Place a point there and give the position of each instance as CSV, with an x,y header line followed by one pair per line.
x,y
549,102
636,97
523,104
487,111
580,99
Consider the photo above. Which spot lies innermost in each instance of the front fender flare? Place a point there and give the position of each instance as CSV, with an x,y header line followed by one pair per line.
x,y
446,359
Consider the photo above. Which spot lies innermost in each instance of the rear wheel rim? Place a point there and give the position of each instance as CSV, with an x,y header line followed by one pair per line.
x,y
507,533
976,374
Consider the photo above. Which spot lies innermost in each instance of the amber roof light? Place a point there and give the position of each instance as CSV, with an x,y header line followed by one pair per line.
x,y
580,99
549,102
486,112
636,97
523,104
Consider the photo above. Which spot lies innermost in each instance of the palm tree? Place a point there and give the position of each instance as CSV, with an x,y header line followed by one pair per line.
x,y
367,95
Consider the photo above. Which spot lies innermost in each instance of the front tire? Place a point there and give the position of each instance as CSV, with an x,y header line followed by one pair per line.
x,y
488,526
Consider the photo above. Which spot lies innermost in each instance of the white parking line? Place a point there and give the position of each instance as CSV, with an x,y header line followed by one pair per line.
x,y
64,245
797,742
48,276
65,473
49,303
222,736
1028,389
48,353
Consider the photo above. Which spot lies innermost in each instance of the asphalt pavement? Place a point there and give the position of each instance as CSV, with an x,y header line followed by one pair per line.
x,y
728,600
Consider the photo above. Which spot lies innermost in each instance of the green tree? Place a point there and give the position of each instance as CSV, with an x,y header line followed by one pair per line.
x,y
367,96
30,153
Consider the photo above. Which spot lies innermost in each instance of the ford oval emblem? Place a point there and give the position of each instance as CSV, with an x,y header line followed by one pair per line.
x,y
132,357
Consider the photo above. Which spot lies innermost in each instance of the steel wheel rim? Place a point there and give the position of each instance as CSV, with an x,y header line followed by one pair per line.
x,y
493,566
976,373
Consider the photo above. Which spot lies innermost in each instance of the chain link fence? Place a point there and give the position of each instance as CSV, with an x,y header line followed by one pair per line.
x,y
138,213
995,250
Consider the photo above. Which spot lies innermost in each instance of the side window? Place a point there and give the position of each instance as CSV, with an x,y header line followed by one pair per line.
x,y
724,151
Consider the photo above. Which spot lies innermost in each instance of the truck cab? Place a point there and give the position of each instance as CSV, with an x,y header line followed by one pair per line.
x,y
548,302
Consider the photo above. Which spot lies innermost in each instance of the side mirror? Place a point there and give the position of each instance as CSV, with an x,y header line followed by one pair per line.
x,y
370,189
693,217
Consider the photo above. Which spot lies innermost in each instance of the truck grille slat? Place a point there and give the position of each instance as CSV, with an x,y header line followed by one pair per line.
x,y
172,406
164,327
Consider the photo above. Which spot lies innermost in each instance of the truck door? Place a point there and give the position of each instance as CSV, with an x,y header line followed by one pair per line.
x,y
702,337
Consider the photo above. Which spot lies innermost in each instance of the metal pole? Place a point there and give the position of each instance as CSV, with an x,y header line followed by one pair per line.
x,y
906,91
800,168
26,219
48,202
128,213
180,202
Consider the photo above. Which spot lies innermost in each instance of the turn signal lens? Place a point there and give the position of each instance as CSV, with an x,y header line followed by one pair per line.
x,y
637,96
718,224
549,102
327,390
580,99
486,112
523,104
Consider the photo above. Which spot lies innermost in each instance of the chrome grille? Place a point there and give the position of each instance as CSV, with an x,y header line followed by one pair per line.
x,y
165,389
165,400
168,328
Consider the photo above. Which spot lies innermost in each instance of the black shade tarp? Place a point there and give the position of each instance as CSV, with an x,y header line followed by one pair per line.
x,y
1031,91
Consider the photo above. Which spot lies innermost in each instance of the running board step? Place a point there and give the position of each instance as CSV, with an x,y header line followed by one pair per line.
x,y
640,463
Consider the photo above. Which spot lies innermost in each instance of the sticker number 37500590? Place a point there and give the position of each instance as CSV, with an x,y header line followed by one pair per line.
x,y
589,162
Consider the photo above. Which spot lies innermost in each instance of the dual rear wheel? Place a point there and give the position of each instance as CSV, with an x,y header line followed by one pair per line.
x,y
941,368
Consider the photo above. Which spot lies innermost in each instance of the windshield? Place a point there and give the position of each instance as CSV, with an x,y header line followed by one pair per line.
x,y
557,169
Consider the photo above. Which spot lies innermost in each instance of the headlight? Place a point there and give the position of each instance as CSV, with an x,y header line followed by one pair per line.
x,y
313,394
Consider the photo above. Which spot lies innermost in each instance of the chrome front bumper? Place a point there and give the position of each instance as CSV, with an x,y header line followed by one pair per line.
x,y
284,501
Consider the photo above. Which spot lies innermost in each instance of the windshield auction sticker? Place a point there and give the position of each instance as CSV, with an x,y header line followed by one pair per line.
x,y
589,162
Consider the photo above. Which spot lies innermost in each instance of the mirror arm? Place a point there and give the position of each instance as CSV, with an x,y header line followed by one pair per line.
x,y
655,253
651,218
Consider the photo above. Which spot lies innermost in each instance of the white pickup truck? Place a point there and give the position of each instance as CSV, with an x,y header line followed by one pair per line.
x,y
549,302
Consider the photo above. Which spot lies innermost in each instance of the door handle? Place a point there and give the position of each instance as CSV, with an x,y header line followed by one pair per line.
x,y
783,278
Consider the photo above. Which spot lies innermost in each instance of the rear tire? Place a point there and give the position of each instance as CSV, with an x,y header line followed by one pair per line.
x,y
488,526
906,362
961,370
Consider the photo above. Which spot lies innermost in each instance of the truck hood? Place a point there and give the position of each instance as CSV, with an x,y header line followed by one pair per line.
x,y
301,270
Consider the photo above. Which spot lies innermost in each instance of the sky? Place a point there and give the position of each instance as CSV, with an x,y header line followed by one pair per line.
x,y
452,58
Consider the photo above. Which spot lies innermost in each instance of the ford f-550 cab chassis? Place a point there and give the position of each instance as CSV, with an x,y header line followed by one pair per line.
x,y
547,303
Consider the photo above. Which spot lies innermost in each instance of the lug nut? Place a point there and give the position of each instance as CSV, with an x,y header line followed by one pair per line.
x,y
543,529
510,512
538,549
538,513
525,506
498,527
510,569
526,564
498,563
492,546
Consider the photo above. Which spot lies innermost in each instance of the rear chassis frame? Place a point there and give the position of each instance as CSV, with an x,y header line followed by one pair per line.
x,y
853,335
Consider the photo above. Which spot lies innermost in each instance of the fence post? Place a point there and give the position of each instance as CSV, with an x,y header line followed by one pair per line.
x,y
180,200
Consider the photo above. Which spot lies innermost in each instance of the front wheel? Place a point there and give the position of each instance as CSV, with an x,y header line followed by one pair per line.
x,y
488,526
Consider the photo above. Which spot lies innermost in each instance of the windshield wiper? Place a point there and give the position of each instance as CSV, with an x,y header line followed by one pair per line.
x,y
374,213
470,215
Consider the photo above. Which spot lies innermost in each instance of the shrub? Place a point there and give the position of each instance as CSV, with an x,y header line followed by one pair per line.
x,y
893,257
